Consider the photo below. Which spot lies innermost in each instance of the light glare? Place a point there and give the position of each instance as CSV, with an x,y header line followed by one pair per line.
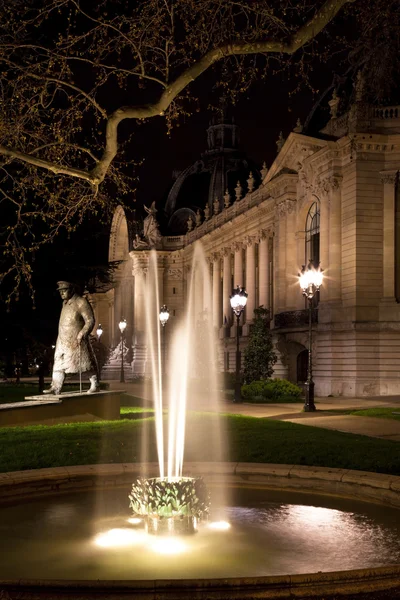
x,y
168,546
220,525
134,520
116,538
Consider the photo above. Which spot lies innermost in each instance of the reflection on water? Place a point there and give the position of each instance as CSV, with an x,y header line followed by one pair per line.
x,y
270,533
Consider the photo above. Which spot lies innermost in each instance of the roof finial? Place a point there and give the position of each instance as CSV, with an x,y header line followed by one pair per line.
x,y
238,191
227,198
264,170
250,183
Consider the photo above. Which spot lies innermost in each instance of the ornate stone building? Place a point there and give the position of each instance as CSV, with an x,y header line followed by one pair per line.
x,y
332,197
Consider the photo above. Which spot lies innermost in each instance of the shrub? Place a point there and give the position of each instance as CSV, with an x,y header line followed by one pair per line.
x,y
271,390
259,354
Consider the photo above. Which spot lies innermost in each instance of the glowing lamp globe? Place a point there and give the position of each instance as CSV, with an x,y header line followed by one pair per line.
x,y
238,300
164,315
122,325
99,331
310,279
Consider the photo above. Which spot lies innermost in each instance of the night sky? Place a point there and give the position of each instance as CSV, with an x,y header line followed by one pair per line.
x,y
261,114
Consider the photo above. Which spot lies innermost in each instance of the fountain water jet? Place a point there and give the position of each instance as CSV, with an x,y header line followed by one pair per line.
x,y
170,492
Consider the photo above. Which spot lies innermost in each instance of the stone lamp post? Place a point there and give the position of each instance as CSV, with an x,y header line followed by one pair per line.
x,y
310,280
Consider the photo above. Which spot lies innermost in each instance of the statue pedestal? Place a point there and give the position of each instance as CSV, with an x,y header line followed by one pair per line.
x,y
46,409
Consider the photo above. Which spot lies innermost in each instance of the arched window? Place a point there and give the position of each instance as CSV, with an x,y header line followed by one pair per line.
x,y
312,234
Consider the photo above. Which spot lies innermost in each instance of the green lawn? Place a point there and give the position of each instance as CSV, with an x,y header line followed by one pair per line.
x,y
381,413
250,440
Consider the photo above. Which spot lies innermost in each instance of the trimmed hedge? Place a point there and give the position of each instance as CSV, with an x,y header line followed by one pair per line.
x,y
271,390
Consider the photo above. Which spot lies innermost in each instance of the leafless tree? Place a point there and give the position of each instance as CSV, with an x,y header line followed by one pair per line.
x,y
77,75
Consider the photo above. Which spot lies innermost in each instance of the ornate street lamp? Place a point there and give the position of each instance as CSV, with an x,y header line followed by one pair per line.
x,y
238,301
99,332
122,326
164,316
310,280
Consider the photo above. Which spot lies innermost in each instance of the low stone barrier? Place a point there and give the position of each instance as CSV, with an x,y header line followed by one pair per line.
x,y
64,408
361,584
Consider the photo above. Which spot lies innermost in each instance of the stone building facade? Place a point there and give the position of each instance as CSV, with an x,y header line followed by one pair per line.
x,y
332,197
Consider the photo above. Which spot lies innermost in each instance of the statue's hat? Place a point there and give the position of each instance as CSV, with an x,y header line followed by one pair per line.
x,y
64,285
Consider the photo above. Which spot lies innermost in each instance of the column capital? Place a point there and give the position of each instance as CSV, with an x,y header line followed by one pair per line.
x,y
226,251
237,246
215,256
249,240
389,176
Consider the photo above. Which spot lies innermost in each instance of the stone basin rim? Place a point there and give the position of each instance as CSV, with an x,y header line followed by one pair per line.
x,y
358,485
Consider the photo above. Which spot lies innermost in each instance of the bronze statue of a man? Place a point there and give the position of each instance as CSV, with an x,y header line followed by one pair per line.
x,y
74,353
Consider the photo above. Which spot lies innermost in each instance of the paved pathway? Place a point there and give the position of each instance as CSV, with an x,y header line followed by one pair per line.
x,y
323,417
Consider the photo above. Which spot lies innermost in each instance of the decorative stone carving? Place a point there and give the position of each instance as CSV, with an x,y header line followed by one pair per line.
x,y
250,183
238,191
286,207
151,232
198,218
215,256
227,198
299,127
207,212
359,86
216,205
189,224
176,274
226,251
389,176
249,240
280,142
334,104
264,170
323,186
237,246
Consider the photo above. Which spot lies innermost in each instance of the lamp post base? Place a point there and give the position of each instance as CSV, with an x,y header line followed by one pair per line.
x,y
309,405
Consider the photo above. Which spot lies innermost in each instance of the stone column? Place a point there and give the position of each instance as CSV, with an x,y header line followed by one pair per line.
x,y
250,278
389,179
301,260
324,244
216,288
292,267
237,248
207,289
335,240
139,272
280,259
226,287
117,311
263,269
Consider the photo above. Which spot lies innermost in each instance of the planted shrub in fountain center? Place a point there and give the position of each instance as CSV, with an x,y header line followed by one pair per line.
x,y
170,505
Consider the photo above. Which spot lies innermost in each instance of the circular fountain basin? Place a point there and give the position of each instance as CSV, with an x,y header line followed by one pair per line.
x,y
287,532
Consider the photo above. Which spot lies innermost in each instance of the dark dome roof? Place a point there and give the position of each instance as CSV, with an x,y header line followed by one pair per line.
x,y
219,169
